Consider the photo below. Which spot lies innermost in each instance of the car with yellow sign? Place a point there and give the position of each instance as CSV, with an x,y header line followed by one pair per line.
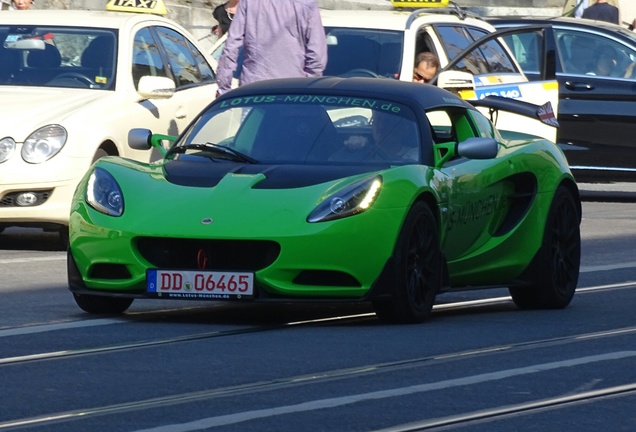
x,y
473,62
72,84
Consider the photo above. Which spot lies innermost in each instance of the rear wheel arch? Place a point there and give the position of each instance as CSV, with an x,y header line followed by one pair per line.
x,y
574,190
553,274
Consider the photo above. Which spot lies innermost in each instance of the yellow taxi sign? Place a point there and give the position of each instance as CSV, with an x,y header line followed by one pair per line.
x,y
138,6
420,3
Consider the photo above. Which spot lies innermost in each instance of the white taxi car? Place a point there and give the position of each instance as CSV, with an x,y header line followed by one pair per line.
x,y
473,61
72,84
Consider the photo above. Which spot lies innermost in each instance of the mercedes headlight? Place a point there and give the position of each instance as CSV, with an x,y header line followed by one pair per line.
x,y
349,201
43,144
104,194
7,147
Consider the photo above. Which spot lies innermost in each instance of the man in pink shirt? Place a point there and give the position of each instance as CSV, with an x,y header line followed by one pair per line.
x,y
279,38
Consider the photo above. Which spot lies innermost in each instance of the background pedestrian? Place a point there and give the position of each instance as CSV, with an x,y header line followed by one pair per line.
x,y
224,15
602,11
21,4
279,39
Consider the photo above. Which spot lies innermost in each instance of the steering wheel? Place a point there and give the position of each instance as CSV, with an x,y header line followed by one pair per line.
x,y
360,72
76,76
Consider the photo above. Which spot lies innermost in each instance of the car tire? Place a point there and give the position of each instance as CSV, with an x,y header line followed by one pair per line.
x,y
102,305
63,237
417,270
559,258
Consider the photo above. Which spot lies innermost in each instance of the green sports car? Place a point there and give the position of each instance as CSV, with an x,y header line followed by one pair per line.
x,y
345,189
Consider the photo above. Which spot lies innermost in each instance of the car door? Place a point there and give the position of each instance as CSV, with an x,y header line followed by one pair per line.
x,y
475,191
484,56
597,108
161,51
597,96
489,63
191,73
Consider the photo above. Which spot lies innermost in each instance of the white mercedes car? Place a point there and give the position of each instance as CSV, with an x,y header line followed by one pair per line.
x,y
72,84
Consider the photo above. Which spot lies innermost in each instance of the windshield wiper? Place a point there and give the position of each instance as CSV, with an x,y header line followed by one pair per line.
x,y
227,152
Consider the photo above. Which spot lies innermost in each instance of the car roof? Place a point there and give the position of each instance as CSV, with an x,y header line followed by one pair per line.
x,y
77,18
569,21
391,20
425,96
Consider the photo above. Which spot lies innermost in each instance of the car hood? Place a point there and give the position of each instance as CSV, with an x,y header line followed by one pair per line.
x,y
207,173
26,109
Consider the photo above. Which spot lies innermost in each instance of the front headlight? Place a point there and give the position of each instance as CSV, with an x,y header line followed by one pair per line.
x,y
43,144
7,147
349,201
104,194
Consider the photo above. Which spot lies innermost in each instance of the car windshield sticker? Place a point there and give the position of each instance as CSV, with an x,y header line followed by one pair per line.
x,y
513,92
342,101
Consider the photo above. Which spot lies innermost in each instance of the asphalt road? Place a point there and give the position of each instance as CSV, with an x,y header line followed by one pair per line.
x,y
479,364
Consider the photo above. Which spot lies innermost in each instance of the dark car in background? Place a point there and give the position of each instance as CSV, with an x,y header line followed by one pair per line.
x,y
595,65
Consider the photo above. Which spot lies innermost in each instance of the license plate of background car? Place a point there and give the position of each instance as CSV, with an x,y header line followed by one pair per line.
x,y
199,284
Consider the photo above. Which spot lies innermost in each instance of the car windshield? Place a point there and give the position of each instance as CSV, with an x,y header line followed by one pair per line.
x,y
307,129
363,52
57,57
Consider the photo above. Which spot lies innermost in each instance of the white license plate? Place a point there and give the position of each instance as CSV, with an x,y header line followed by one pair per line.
x,y
203,284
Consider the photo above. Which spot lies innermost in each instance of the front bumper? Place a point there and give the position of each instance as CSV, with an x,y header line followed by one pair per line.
x,y
337,260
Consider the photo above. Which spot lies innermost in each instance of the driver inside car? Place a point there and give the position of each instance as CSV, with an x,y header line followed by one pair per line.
x,y
393,139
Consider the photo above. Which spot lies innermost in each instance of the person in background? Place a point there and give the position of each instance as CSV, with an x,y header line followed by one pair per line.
x,y
602,11
224,15
575,8
426,66
279,39
20,4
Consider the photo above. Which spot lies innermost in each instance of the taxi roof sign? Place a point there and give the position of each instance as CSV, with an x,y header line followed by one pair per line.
x,y
138,6
420,3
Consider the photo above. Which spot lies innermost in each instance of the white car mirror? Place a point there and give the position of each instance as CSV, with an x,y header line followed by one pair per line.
x,y
455,81
154,87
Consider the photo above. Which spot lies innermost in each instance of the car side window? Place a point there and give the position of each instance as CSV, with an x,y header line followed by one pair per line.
x,y
592,54
146,58
498,59
451,125
526,47
455,39
490,57
183,62
485,128
441,127
204,67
